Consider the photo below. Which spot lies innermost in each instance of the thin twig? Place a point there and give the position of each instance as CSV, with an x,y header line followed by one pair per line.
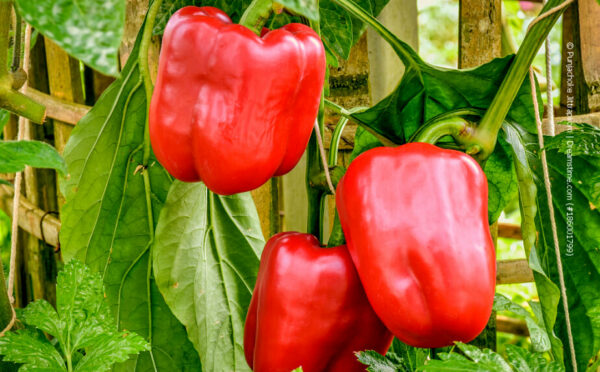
x,y
323,157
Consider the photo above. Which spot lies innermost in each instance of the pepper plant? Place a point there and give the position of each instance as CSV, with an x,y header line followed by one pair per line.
x,y
180,262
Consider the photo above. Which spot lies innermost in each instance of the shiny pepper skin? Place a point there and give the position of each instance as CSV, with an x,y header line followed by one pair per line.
x,y
309,309
416,224
230,108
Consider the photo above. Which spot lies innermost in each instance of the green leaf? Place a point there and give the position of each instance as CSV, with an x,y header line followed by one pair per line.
x,y
42,315
501,178
376,362
525,361
524,146
233,8
15,155
31,348
538,335
336,29
411,357
206,259
575,188
340,31
107,349
82,322
89,30
426,91
585,140
307,8
108,221
484,357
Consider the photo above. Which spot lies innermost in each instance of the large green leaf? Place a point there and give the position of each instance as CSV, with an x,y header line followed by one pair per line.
x,y
427,91
575,195
339,29
206,259
108,221
524,149
90,30
15,155
575,185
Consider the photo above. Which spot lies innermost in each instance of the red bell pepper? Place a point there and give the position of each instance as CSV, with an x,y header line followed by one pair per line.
x,y
309,309
416,224
230,108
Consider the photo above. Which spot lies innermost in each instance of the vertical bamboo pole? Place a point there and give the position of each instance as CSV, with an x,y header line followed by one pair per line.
x,y
480,41
64,79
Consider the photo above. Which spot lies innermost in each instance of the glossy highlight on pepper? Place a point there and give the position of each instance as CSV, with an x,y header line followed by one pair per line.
x,y
416,224
230,108
309,309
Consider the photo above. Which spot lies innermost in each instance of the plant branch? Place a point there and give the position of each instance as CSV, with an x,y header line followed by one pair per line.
x,y
21,105
487,131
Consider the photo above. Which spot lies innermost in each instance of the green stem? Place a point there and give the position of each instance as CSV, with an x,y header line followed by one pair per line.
x,y
335,141
256,15
487,132
145,71
405,52
21,105
339,129
454,126
10,99
145,75
313,168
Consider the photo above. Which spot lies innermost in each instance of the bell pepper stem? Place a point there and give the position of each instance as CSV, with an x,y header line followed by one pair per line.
x,y
313,168
144,67
256,15
454,126
487,131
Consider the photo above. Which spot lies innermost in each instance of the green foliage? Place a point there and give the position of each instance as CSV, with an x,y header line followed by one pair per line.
x,y
206,259
584,141
539,337
15,155
86,340
233,8
108,221
380,363
575,187
474,359
471,359
426,91
306,8
340,31
90,30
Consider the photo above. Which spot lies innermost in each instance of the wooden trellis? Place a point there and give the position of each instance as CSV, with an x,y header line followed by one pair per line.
x,y
55,81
